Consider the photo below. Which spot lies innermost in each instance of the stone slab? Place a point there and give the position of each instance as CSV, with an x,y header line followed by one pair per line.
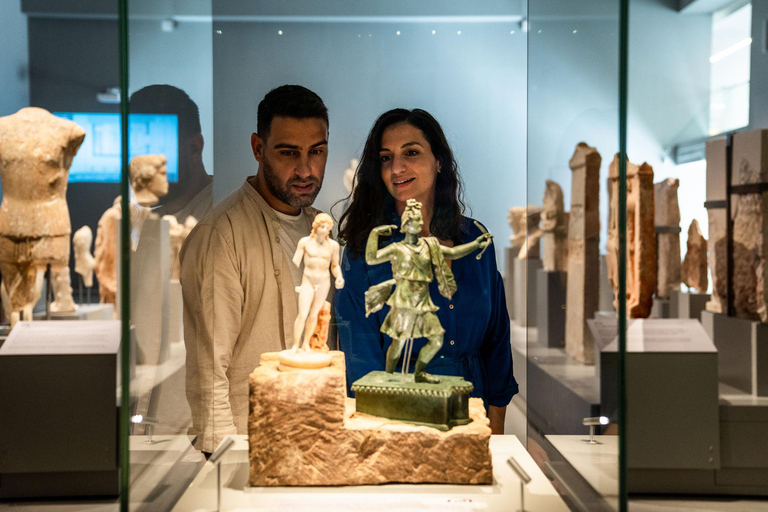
x,y
304,431
551,294
743,351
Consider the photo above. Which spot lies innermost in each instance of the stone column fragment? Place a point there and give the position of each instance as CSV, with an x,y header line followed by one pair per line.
x,y
749,212
583,252
667,222
641,243
694,272
716,151
554,227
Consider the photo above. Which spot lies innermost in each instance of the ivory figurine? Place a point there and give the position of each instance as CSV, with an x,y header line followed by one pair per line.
x,y
149,178
84,260
36,151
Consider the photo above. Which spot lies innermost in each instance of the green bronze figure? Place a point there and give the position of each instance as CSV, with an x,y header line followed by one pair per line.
x,y
415,262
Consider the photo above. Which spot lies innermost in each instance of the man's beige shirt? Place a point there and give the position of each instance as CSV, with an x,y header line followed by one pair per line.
x,y
239,301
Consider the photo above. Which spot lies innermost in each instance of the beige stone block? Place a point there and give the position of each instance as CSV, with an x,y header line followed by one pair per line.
x,y
667,220
694,271
304,431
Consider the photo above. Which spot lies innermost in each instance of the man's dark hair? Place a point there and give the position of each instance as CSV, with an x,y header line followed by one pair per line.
x,y
372,205
167,99
289,101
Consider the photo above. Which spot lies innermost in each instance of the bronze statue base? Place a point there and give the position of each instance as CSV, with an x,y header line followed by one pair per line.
x,y
397,397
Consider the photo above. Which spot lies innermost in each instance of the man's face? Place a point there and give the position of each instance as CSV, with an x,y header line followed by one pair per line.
x,y
292,160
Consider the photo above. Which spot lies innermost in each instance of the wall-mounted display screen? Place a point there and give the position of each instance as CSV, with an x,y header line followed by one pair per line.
x,y
98,159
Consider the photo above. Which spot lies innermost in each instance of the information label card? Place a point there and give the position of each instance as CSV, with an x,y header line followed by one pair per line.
x,y
63,337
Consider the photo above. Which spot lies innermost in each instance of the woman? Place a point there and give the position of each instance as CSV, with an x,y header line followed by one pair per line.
x,y
407,157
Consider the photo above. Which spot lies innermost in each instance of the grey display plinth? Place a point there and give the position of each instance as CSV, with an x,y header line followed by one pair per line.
x,y
551,293
59,427
664,308
606,290
743,348
671,395
510,256
525,301
690,304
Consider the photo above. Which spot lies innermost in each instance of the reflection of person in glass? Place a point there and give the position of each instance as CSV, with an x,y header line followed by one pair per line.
x,y
192,194
412,312
407,156
238,280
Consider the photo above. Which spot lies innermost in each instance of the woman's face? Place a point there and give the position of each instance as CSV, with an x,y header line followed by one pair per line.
x,y
408,167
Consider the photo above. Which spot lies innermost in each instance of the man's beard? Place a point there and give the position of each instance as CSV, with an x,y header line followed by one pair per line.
x,y
284,192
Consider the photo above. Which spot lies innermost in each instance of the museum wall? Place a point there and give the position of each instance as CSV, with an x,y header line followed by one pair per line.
x,y
14,81
574,87
183,58
758,86
473,83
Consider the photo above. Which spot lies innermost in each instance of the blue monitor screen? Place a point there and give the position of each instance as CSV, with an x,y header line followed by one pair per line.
x,y
98,159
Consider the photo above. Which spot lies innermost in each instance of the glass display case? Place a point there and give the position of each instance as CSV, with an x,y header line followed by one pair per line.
x,y
611,337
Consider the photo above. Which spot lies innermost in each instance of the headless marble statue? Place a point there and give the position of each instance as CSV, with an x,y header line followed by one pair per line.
x,y
36,151
178,232
105,253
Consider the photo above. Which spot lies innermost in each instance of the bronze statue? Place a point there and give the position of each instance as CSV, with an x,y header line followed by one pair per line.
x,y
415,261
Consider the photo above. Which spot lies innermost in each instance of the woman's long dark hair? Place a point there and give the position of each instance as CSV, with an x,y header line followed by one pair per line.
x,y
371,203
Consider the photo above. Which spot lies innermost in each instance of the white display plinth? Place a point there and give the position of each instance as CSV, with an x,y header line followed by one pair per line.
x,y
84,312
597,463
503,495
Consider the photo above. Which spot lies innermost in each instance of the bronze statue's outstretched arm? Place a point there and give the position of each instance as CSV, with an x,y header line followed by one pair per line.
x,y
454,253
374,256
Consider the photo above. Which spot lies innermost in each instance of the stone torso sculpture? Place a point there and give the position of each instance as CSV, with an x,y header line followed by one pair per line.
x,y
36,151
641,246
667,226
554,227
695,264
414,261
105,252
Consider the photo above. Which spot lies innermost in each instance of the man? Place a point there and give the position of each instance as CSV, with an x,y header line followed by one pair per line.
x,y
238,281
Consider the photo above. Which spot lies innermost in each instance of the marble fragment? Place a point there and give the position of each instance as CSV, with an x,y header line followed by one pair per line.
x,y
178,233
667,223
554,227
515,218
84,260
149,178
695,263
583,266
641,240
304,431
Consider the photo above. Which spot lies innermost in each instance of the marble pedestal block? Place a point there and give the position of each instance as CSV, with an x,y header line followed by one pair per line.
x,y
673,415
304,431
743,351
665,308
525,300
690,304
551,293
510,256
